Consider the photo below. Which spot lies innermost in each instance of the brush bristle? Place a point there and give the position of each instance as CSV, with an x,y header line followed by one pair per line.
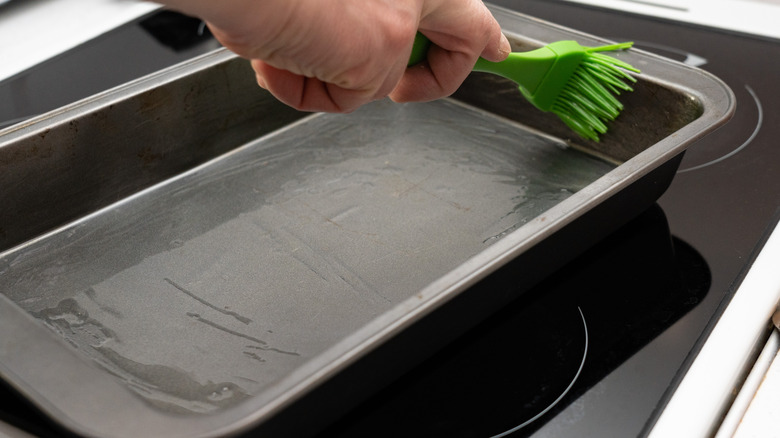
x,y
588,100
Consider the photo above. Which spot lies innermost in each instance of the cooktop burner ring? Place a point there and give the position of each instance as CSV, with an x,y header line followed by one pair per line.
x,y
565,391
756,129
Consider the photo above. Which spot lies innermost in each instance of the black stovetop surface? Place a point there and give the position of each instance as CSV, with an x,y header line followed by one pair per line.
x,y
595,349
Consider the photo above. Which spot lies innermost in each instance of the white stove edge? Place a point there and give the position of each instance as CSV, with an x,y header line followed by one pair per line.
x,y
744,401
754,17
706,392
34,31
759,417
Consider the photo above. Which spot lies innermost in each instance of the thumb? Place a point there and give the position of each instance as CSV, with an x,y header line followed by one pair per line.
x,y
498,47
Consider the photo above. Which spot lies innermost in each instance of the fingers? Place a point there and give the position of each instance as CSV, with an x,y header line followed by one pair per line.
x,y
312,94
305,94
338,55
459,35
438,76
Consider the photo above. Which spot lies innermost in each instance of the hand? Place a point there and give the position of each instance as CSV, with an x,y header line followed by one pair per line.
x,y
336,55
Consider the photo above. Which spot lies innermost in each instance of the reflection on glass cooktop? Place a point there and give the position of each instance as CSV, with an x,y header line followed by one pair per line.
x,y
521,367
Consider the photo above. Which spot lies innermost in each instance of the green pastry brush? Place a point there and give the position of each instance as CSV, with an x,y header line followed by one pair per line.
x,y
576,83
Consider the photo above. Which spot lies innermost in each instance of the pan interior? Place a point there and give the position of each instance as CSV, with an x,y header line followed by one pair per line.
x,y
208,288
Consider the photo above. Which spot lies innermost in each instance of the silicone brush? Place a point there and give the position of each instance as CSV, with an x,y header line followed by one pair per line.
x,y
578,84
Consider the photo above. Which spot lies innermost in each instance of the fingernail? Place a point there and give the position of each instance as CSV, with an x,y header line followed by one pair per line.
x,y
504,48
261,82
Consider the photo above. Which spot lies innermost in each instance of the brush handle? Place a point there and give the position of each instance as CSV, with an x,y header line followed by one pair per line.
x,y
419,49
525,68
531,69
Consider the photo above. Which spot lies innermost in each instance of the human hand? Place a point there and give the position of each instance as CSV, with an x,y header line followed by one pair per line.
x,y
336,55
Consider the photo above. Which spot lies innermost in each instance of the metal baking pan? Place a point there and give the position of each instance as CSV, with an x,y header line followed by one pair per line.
x,y
185,256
